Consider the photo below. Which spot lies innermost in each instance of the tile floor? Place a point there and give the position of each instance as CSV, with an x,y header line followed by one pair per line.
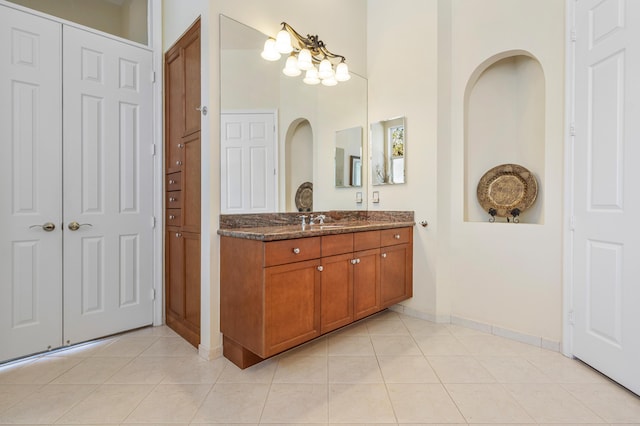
x,y
388,369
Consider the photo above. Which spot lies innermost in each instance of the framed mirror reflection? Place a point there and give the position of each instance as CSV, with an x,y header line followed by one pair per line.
x,y
348,158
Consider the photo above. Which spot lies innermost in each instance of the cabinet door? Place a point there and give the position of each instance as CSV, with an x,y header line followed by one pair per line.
x,y
174,109
366,283
395,274
337,292
174,264
191,184
292,305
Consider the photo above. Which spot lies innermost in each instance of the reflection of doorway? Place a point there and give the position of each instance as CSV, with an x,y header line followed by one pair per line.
x,y
299,159
247,162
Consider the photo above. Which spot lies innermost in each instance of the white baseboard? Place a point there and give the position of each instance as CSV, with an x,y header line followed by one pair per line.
x,y
480,326
208,353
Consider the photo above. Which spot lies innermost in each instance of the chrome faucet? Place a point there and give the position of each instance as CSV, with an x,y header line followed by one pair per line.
x,y
320,218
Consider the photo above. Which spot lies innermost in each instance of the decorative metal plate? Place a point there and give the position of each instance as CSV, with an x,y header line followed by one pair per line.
x,y
304,197
507,187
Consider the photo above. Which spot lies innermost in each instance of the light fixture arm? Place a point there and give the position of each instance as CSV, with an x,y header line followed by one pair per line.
x,y
313,43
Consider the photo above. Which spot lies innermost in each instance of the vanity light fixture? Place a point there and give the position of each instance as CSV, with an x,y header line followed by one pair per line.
x,y
308,54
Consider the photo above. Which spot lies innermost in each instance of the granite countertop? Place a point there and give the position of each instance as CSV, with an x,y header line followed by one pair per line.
x,y
284,226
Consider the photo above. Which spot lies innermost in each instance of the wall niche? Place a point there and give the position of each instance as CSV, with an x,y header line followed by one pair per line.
x,y
504,123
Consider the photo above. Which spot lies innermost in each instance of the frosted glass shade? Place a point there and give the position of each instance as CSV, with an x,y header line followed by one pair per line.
x,y
342,72
311,77
291,67
283,42
331,81
304,60
269,52
325,70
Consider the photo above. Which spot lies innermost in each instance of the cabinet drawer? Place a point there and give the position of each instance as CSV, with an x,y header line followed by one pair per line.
x,y
337,244
174,217
366,240
288,251
173,200
390,237
173,181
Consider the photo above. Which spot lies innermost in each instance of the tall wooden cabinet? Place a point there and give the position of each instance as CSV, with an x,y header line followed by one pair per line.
x,y
182,185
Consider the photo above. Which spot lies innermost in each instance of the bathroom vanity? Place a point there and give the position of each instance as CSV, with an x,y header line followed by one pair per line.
x,y
283,284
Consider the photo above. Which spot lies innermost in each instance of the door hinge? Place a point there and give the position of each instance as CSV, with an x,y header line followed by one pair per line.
x,y
153,294
572,129
572,223
153,149
153,76
570,317
573,35
153,222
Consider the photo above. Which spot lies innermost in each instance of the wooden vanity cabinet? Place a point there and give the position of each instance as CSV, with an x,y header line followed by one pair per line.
x,y
278,294
396,266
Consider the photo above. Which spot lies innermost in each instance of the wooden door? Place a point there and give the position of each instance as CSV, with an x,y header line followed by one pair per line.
x,y
292,305
30,184
183,185
606,235
337,291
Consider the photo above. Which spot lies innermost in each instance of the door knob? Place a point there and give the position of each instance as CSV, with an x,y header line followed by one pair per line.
x,y
74,226
47,227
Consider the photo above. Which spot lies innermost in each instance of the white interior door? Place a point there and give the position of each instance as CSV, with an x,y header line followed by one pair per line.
x,y
606,239
30,184
247,170
108,186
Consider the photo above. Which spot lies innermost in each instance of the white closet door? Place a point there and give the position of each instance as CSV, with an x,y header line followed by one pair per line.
x,y
108,186
606,268
30,184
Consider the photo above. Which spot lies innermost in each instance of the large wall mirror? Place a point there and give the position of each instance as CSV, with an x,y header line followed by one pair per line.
x,y
279,135
388,152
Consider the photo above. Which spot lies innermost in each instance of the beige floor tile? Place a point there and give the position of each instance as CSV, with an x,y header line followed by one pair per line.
x,y
354,369
170,403
343,345
459,330
108,404
46,405
40,371
460,369
145,371
158,331
233,403
550,403
393,327
560,369
301,369
608,400
92,371
395,345
260,373
418,327
445,345
386,314
485,344
296,403
512,370
83,350
406,369
12,394
170,347
127,346
195,370
487,403
423,403
357,329
364,403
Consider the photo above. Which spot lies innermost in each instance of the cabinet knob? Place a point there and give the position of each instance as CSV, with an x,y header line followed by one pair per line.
x,y
178,235
171,217
180,145
397,236
172,182
172,199
357,260
354,261
179,163
384,254
296,250
320,268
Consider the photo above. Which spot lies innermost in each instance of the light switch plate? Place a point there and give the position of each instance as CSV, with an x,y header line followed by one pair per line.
x,y
376,197
358,197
